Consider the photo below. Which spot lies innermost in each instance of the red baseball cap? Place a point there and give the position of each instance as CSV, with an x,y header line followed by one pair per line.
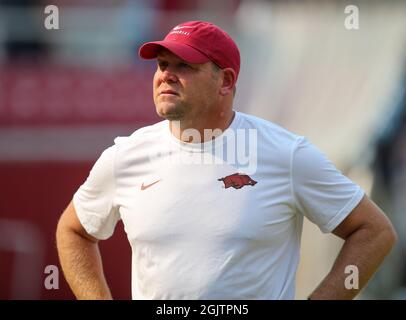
x,y
197,42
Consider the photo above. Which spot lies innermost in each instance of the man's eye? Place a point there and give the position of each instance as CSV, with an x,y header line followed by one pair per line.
x,y
184,65
162,65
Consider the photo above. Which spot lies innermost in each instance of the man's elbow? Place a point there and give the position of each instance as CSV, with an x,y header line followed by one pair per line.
x,y
391,235
387,235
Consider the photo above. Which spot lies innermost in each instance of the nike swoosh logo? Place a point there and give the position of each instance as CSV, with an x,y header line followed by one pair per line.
x,y
148,185
182,27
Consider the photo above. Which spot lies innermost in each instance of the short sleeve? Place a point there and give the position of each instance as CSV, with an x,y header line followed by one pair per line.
x,y
94,200
320,191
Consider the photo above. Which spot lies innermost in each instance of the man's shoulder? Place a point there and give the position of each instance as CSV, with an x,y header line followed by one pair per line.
x,y
146,133
268,130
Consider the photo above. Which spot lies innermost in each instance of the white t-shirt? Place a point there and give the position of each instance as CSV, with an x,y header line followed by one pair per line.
x,y
212,220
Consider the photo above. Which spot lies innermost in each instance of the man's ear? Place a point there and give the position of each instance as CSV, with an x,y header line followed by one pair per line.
x,y
228,81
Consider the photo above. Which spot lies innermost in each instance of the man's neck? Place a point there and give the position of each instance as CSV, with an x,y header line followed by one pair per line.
x,y
202,131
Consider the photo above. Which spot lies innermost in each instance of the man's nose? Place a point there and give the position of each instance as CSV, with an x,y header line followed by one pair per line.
x,y
168,76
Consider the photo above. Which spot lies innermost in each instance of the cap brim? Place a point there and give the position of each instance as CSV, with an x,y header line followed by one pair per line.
x,y
150,50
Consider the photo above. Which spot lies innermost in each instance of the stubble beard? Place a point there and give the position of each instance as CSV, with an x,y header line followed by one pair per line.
x,y
175,114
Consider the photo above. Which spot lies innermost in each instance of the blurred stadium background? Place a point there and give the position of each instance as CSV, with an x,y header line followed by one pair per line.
x,y
65,94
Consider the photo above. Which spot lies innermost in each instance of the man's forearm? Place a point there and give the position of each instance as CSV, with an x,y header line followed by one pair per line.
x,y
365,249
82,266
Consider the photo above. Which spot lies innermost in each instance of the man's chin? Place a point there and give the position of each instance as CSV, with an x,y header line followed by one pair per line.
x,y
170,114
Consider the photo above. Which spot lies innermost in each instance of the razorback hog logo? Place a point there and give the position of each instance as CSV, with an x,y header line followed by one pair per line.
x,y
237,181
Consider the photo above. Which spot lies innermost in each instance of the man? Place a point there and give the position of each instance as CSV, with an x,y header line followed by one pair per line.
x,y
202,223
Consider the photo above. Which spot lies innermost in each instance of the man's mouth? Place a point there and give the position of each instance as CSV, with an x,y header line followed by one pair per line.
x,y
168,92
